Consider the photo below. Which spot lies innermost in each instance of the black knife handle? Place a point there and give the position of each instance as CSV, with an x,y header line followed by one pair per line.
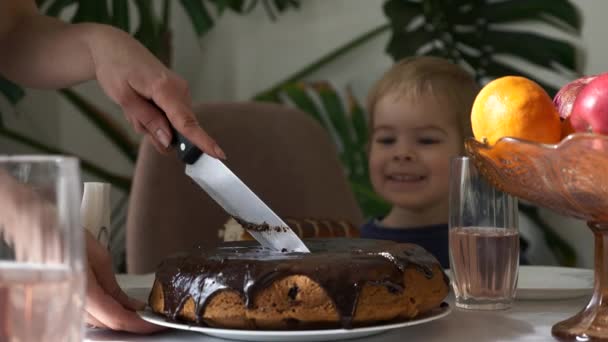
x,y
186,151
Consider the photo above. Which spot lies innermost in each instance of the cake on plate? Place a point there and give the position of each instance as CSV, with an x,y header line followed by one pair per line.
x,y
342,283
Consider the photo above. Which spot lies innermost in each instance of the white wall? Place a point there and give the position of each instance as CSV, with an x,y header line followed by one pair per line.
x,y
244,55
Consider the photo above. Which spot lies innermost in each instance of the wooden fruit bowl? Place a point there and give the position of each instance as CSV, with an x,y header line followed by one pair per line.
x,y
570,178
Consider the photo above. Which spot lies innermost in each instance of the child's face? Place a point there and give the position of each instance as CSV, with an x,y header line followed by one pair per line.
x,y
411,145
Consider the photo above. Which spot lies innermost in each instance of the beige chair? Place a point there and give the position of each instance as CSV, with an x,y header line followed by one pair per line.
x,y
282,154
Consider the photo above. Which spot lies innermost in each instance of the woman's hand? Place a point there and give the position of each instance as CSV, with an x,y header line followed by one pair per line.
x,y
43,52
107,305
131,76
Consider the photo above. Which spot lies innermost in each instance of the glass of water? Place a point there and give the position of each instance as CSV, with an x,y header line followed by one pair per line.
x,y
42,266
484,240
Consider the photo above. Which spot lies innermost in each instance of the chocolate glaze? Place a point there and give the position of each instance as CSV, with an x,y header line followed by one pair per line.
x,y
264,227
340,266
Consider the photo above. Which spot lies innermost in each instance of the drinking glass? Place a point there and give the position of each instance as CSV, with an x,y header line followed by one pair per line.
x,y
484,240
42,266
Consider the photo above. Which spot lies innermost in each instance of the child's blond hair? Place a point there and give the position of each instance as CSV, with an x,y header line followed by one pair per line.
x,y
412,77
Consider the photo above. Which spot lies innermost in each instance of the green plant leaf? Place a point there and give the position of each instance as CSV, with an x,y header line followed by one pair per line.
x,y
284,5
200,18
296,94
554,12
401,13
57,6
222,5
416,39
565,254
106,125
371,204
120,14
546,52
496,69
92,11
11,91
336,114
465,32
148,32
361,130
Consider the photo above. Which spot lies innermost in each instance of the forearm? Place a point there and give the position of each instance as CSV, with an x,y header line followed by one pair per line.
x,y
43,52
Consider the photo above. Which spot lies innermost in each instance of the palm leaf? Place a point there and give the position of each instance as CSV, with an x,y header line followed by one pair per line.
x,y
472,32
11,91
296,95
335,110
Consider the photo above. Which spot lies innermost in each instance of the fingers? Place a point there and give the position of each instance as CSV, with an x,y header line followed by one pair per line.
x,y
171,94
109,313
107,304
100,263
146,118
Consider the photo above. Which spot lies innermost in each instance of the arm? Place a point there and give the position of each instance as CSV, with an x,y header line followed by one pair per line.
x,y
40,51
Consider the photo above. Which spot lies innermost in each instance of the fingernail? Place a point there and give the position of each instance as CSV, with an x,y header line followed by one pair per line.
x,y
163,137
218,151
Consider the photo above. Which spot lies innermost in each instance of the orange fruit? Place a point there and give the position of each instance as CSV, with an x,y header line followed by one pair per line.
x,y
514,106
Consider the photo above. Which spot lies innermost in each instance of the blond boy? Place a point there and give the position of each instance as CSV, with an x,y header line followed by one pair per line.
x,y
419,118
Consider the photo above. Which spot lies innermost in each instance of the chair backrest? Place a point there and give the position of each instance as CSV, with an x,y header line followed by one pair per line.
x,y
282,154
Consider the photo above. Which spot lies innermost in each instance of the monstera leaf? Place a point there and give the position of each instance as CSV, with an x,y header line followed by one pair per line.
x,y
479,34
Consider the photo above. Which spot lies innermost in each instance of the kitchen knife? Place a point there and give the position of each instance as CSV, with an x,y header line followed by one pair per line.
x,y
236,198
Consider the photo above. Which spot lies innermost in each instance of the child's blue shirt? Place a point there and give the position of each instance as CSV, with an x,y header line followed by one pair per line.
x,y
433,238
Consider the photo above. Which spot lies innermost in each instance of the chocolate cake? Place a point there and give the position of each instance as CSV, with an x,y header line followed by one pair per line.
x,y
342,283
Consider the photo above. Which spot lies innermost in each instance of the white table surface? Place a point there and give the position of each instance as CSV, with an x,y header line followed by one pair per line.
x,y
525,321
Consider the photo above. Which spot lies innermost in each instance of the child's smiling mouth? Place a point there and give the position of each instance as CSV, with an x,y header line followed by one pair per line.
x,y
404,178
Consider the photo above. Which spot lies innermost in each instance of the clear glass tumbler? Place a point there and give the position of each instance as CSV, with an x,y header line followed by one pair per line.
x,y
42,265
484,240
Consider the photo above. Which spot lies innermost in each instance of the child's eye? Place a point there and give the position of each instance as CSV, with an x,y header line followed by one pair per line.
x,y
385,140
428,141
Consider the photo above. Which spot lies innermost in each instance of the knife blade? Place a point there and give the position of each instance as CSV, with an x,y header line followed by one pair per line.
x,y
221,184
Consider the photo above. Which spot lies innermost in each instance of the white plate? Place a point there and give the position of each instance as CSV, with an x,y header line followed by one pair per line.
x,y
551,282
293,336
